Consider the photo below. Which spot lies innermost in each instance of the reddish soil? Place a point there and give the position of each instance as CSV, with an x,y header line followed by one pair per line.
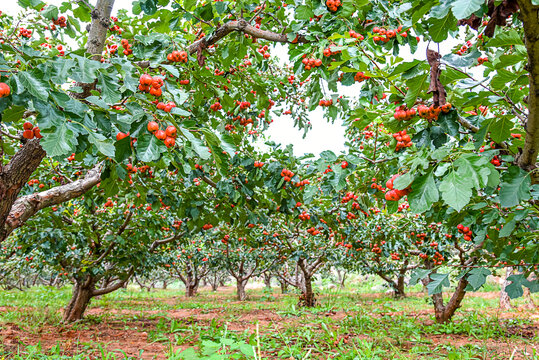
x,y
131,330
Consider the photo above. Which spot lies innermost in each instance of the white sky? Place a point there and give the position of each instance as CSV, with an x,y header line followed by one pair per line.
x,y
323,136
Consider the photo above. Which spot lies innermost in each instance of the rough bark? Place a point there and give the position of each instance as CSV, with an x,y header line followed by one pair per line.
x,y
13,176
240,289
267,280
284,286
82,294
528,15
444,313
97,35
505,300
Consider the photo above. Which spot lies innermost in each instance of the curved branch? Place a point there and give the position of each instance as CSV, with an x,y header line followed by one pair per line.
x,y
27,206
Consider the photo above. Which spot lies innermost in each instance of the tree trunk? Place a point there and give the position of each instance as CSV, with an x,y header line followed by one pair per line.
x,y
399,289
267,280
82,294
191,289
505,300
307,298
284,286
528,156
444,313
240,288
164,285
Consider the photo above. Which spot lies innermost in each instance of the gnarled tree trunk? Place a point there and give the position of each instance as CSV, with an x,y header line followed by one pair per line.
x,y
505,300
240,289
82,294
444,313
267,280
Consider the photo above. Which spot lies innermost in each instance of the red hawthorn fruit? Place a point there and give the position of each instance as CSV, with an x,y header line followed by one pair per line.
x,y
153,126
171,131
160,134
28,134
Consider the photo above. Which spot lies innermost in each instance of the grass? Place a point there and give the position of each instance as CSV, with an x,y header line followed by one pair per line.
x,y
351,323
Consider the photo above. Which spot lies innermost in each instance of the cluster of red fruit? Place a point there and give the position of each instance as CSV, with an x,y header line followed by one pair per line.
x,y
311,62
464,48
287,174
344,164
258,164
302,183
331,50
437,258
348,197
376,186
264,51
117,29
304,216
151,85
395,194
110,203
328,170
466,231
403,140
356,35
376,249
5,90
246,121
166,107
430,112
395,256
360,76
61,22
33,182
71,157
168,136
313,231
496,161
207,226
25,32
482,60
30,131
127,47
184,82
216,106
351,216
386,35
333,5
402,113
243,104
403,206
325,102
178,56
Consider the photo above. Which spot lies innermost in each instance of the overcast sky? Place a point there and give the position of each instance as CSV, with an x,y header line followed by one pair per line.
x,y
323,136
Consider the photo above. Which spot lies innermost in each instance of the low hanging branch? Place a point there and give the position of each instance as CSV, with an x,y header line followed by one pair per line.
x,y
26,206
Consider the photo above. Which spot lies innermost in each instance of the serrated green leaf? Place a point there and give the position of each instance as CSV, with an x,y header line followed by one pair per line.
x,y
515,187
424,193
437,283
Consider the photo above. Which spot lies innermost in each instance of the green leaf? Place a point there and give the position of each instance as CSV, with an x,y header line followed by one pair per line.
x,y
437,283
508,227
515,187
418,274
304,12
506,38
415,85
439,28
60,142
200,148
26,81
500,128
50,12
403,181
149,148
424,193
105,146
456,190
109,89
463,9
477,278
